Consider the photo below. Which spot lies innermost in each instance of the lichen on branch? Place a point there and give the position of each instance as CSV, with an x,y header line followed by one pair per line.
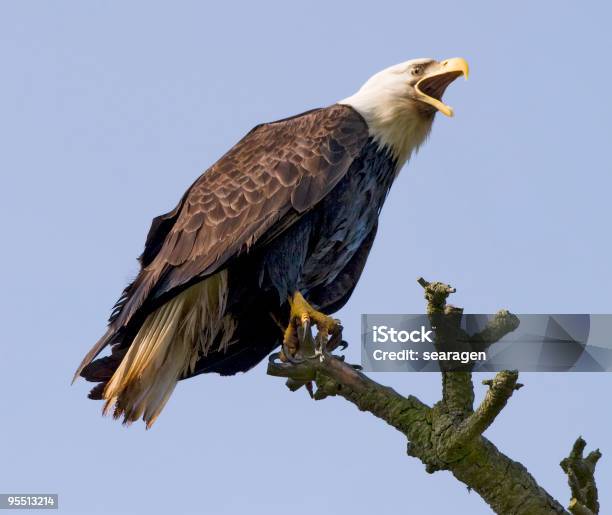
x,y
449,434
581,478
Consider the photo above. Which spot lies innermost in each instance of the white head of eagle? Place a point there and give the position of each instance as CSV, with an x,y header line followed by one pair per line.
x,y
399,102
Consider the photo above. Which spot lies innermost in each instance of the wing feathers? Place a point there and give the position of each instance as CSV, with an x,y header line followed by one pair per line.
x,y
254,192
276,168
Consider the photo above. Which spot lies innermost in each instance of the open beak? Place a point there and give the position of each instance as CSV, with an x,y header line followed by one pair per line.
x,y
431,87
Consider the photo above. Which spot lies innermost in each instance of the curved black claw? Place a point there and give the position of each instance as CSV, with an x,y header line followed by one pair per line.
x,y
356,367
289,358
343,345
273,357
306,342
310,389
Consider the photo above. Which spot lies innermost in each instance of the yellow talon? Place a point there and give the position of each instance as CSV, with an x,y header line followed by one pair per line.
x,y
302,315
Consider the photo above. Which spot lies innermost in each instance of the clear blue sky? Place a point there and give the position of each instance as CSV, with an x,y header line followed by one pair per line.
x,y
109,110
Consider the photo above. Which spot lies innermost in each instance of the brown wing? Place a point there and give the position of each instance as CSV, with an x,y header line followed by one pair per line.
x,y
267,180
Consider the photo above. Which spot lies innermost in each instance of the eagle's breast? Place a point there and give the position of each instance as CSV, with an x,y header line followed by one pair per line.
x,y
347,215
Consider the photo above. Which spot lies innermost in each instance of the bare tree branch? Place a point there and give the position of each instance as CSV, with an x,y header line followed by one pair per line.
x,y
581,478
334,377
500,390
448,435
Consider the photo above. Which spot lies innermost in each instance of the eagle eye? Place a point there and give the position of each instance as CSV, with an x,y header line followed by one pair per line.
x,y
416,70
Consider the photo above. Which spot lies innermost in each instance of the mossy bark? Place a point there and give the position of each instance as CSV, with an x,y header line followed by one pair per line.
x,y
448,435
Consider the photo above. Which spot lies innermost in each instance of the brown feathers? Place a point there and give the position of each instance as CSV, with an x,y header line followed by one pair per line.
x,y
167,347
163,323
277,168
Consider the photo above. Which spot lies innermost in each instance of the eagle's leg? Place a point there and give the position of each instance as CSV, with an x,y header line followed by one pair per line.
x,y
298,341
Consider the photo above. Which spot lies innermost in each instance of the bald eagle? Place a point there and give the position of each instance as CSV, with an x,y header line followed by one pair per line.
x,y
272,236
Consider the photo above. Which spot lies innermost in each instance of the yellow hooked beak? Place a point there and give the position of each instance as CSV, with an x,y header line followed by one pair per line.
x,y
431,87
